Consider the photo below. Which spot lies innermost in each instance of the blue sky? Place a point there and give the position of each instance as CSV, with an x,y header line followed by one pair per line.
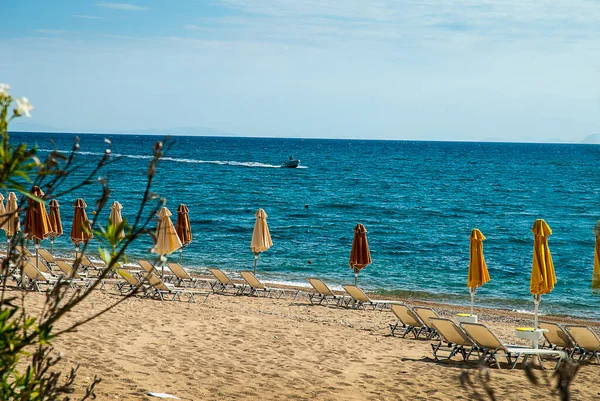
x,y
420,69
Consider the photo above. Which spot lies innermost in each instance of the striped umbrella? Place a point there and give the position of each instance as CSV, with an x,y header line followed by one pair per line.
x,y
596,274
543,277
167,240
12,223
478,272
81,231
360,255
183,228
55,222
115,216
37,223
261,238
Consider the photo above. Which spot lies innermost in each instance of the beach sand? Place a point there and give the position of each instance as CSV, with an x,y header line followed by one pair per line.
x,y
239,347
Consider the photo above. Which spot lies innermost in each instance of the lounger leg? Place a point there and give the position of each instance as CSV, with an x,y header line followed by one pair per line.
x,y
435,348
393,328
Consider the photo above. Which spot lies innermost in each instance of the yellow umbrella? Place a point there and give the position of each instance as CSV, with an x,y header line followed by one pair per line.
x,y
81,230
542,272
596,274
37,224
360,255
13,223
261,238
478,272
167,240
55,222
115,216
183,228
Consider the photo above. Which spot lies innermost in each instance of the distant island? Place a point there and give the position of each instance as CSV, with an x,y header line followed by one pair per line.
x,y
592,139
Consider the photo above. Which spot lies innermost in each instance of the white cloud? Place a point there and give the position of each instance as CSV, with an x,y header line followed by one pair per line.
x,y
51,31
192,27
93,17
123,6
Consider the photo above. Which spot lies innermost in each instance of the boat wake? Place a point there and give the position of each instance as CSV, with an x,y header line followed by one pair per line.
x,y
181,160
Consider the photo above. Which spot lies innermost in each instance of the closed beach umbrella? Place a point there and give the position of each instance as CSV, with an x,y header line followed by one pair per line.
x,y
261,238
360,256
596,274
37,223
2,212
81,231
55,222
183,228
167,240
542,272
115,216
478,272
12,224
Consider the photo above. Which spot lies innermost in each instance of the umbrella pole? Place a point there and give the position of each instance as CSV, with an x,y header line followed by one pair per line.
x,y
52,245
255,260
536,302
180,254
163,260
36,244
472,291
355,277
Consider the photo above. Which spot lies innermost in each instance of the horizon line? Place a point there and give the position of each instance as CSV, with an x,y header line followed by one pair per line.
x,y
301,137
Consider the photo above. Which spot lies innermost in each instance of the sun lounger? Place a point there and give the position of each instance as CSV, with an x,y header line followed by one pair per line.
x,y
425,314
183,277
130,283
26,253
150,268
454,337
586,342
37,278
323,294
224,283
68,270
162,290
491,347
257,288
411,322
557,337
47,257
359,299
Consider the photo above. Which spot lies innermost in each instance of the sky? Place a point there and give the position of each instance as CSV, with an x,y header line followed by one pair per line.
x,y
525,70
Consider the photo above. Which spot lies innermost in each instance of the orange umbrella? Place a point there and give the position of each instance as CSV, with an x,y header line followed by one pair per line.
x,y
543,277
478,272
12,223
360,256
81,231
37,223
2,212
55,222
183,228
261,238
596,274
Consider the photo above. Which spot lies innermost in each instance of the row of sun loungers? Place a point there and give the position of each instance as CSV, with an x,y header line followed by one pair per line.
x,y
574,341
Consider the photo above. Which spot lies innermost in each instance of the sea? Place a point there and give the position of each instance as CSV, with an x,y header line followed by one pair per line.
x,y
418,200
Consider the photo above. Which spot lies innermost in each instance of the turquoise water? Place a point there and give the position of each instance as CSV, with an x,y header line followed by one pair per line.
x,y
418,200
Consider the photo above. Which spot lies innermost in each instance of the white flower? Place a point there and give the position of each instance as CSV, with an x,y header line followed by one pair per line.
x,y
4,88
23,106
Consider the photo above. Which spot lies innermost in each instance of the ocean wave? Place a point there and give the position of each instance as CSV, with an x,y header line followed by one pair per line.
x,y
181,160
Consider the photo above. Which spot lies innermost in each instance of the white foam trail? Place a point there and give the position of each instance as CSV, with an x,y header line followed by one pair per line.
x,y
178,160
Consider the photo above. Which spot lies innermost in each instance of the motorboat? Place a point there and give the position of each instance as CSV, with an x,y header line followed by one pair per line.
x,y
291,163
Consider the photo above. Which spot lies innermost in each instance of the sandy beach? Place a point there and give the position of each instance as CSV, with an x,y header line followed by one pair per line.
x,y
240,347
